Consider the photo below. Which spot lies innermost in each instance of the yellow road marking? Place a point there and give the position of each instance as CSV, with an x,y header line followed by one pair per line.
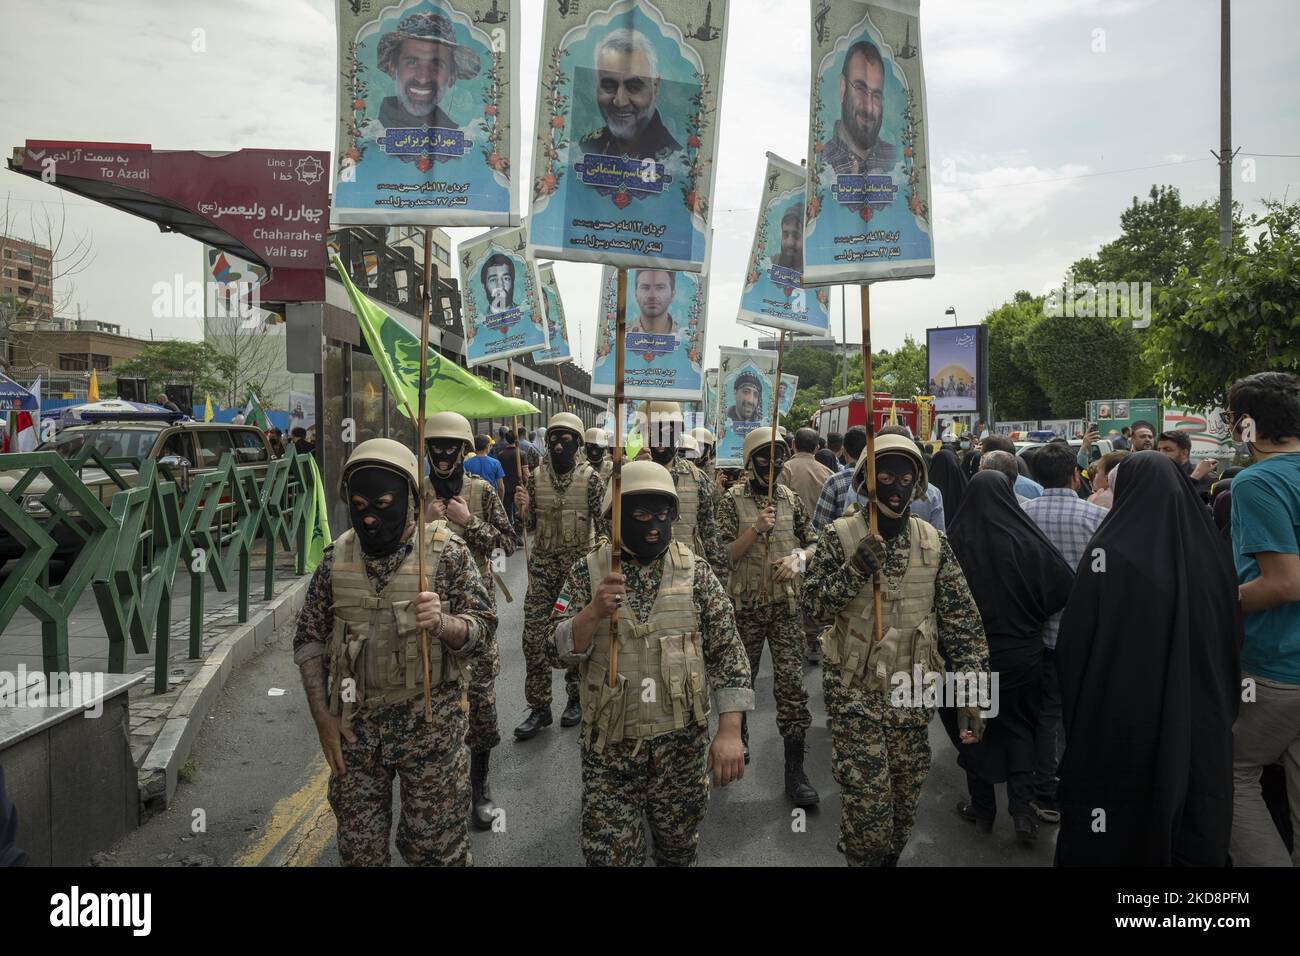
x,y
289,815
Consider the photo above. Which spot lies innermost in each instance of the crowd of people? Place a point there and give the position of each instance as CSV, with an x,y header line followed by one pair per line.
x,y
1114,639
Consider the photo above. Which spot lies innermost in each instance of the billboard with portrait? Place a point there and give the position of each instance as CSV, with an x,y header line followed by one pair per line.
x,y
773,295
1113,415
500,297
664,345
953,368
789,386
557,332
428,116
868,189
627,129
744,399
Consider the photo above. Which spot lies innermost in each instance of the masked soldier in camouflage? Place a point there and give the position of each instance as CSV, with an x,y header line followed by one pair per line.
x,y
768,546
593,448
360,627
880,750
473,511
708,451
559,505
646,757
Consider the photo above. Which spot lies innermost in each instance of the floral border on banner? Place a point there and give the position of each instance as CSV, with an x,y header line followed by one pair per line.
x,y
552,139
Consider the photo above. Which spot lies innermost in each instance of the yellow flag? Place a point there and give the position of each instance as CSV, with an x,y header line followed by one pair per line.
x,y
207,408
93,394
893,413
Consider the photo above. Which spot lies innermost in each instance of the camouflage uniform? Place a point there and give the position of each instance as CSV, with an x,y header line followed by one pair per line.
x,y
486,532
880,753
394,740
777,622
546,573
662,780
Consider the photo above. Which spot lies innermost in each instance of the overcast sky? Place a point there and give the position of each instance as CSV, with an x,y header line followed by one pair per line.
x,y
1044,135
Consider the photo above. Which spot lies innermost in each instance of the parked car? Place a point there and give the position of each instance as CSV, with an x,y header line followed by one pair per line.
x,y
188,447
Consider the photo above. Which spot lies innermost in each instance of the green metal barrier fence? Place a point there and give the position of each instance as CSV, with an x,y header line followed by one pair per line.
x,y
128,552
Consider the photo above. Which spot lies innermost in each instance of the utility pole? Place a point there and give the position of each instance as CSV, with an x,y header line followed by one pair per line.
x,y
1225,154
844,334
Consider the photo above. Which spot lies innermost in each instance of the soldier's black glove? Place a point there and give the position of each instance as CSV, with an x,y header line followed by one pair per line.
x,y
870,555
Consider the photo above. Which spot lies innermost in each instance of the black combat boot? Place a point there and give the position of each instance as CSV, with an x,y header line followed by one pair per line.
x,y
797,787
482,793
572,715
539,718
744,734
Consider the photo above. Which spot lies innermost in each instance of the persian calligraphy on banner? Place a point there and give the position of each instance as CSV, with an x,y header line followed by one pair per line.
x,y
500,297
627,131
557,332
664,344
428,117
744,398
774,295
868,190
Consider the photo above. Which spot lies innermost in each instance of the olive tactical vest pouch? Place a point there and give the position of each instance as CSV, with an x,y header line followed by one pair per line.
x,y
746,582
563,521
910,626
661,685
686,528
374,653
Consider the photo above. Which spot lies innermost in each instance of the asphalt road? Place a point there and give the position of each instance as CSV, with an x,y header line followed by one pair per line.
x,y
256,784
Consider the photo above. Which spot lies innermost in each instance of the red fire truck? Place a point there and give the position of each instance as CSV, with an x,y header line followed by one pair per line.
x,y
843,412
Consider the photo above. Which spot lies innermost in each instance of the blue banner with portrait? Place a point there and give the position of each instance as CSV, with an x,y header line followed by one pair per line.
x,y
557,331
744,399
627,132
664,344
774,295
428,117
868,189
500,297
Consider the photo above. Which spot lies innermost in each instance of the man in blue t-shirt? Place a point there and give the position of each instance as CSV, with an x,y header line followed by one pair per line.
x,y
487,467
1264,412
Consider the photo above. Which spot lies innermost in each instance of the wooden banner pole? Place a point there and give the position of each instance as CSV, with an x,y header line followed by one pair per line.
x,y
870,451
519,461
430,281
616,475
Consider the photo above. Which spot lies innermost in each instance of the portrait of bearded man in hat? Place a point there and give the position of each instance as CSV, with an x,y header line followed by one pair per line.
x,y
747,393
424,61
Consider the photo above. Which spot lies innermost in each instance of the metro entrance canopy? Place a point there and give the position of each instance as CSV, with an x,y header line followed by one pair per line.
x,y
269,206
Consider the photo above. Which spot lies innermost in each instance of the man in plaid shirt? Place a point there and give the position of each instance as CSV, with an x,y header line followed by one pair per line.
x,y
1069,523
836,495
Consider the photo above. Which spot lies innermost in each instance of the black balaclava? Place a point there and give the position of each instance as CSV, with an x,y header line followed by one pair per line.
x,y
758,464
664,445
564,449
446,466
635,533
595,454
894,501
373,482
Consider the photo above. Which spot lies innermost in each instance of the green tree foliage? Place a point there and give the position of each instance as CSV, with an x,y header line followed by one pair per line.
x,y
181,363
902,373
806,402
1238,315
1013,384
1075,359
813,366
1158,237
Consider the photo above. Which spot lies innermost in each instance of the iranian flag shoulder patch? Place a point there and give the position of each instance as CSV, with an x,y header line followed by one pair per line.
x,y
562,602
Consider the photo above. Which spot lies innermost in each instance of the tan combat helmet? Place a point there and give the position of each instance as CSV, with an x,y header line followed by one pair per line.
x,y
688,442
382,453
641,478
703,436
449,425
595,436
565,421
892,445
759,438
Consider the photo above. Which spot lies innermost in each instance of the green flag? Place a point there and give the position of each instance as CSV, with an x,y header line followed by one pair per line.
x,y
450,388
253,414
318,522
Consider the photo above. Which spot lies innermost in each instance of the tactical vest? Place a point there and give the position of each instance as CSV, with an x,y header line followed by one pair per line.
x,y
909,624
746,582
474,489
381,663
661,684
563,522
686,528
